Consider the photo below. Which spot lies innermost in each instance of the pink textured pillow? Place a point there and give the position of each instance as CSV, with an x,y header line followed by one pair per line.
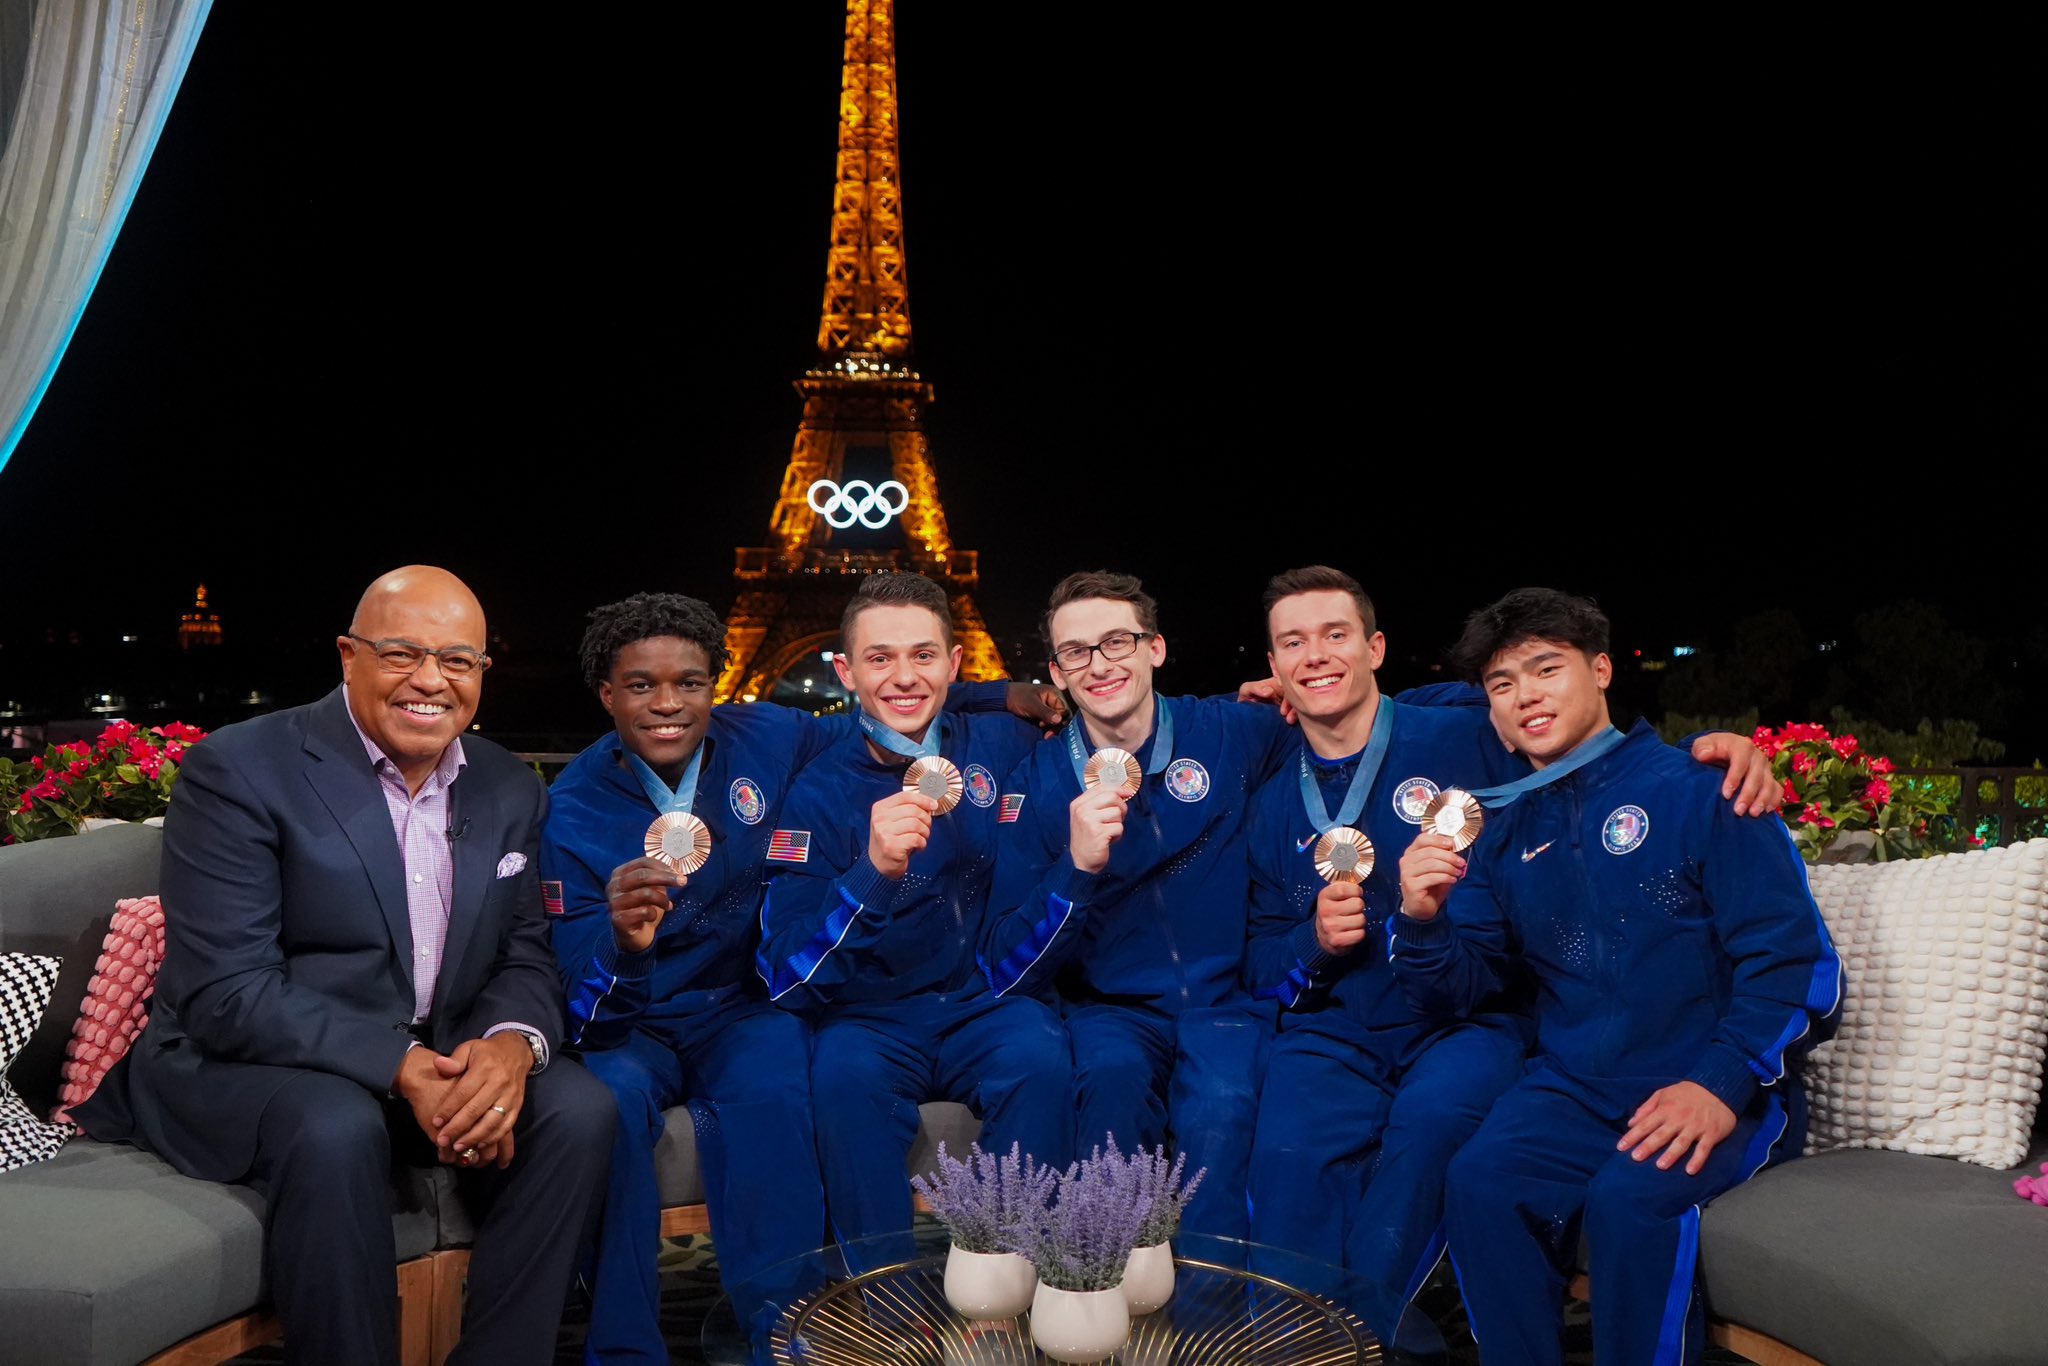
x,y
116,1000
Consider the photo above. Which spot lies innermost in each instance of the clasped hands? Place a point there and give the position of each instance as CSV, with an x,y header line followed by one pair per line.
x,y
467,1101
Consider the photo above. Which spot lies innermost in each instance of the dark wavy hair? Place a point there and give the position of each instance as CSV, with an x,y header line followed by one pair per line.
x,y
1528,614
1316,578
644,616
1100,583
900,589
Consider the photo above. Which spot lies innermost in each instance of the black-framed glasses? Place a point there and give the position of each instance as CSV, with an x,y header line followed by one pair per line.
x,y
403,656
1115,645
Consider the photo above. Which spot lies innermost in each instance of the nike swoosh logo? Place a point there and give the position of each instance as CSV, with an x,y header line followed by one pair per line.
x,y
1528,854
1301,846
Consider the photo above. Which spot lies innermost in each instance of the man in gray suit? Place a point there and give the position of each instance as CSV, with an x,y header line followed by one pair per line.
x,y
356,966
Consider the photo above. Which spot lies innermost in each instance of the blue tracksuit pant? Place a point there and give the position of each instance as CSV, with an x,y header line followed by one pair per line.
x,y
742,1068
1193,1078
1542,1169
1348,1167
874,1063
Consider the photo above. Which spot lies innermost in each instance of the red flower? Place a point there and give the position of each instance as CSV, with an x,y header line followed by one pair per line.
x,y
1844,745
1976,841
1791,794
1880,764
1879,791
1803,761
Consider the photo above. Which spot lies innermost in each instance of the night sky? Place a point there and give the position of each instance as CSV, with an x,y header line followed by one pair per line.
x,y
1697,320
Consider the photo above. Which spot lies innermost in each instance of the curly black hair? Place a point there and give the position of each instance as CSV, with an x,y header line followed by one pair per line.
x,y
644,616
1528,614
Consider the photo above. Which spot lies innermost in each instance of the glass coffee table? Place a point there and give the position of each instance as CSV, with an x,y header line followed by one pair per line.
x,y
872,1303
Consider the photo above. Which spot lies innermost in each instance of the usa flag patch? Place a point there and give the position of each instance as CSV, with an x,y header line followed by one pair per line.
x,y
790,846
1013,802
551,897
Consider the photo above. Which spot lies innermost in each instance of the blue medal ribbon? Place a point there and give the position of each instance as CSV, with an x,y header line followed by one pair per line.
x,y
1162,742
896,742
665,798
1585,753
1369,762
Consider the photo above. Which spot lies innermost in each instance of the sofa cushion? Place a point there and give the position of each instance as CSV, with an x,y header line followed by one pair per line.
x,y
25,983
1939,1048
129,1257
1877,1258
116,1002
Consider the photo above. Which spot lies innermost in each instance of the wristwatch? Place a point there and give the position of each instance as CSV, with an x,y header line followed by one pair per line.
x,y
540,1050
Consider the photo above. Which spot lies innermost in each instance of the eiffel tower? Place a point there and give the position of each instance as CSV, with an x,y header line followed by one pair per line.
x,y
862,423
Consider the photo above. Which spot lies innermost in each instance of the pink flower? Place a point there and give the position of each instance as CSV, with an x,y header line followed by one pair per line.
x,y
1803,761
1880,764
1879,791
1844,745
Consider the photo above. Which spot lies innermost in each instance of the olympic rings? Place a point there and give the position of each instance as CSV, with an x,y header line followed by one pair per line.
x,y
860,501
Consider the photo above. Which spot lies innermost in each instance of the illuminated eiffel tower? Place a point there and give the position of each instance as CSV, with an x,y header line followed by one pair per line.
x,y
862,438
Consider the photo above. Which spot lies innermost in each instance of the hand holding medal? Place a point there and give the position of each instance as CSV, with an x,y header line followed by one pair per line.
x,y
1434,863
1095,819
1115,768
934,776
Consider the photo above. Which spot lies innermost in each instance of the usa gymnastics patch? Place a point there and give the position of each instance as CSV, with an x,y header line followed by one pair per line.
x,y
1187,780
1013,802
1412,798
551,897
790,846
747,802
981,786
1626,828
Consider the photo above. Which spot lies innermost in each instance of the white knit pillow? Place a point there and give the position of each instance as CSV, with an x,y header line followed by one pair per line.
x,y
1940,1044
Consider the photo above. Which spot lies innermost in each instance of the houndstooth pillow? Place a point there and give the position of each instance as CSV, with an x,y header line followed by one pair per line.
x,y
1940,1045
26,980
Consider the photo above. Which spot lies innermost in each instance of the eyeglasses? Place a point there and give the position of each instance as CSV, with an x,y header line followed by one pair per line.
x,y
1117,645
403,657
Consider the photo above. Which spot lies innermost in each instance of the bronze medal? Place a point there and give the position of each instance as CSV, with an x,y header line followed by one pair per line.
x,y
1456,813
680,840
1106,765
1344,855
935,777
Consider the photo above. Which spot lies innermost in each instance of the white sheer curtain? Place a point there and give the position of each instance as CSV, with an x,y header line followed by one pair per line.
x,y
86,86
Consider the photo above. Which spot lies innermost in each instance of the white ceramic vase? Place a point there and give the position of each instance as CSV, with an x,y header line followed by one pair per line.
x,y
1079,1325
1148,1278
989,1285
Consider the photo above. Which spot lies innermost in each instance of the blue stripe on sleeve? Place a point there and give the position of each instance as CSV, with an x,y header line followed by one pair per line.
x,y
1020,960
588,1000
800,965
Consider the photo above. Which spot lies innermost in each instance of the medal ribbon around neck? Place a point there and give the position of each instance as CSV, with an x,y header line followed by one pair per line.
x,y
665,798
1361,782
896,742
1588,750
1162,742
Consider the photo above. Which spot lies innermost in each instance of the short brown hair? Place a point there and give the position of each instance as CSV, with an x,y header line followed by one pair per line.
x,y
1316,578
896,590
1101,583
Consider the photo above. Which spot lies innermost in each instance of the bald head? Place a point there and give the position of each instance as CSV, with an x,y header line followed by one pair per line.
x,y
415,587
392,665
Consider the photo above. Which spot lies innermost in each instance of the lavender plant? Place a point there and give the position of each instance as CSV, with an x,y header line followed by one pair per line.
x,y
1159,1184
1083,1240
986,1199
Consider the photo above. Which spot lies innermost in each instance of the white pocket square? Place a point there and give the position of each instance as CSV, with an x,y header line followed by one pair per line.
x,y
512,865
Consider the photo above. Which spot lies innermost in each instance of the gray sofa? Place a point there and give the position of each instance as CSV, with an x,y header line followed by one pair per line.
x,y
108,1257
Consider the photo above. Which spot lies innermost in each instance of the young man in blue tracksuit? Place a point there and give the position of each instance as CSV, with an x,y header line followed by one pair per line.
x,y
658,970
1680,966
1131,911
1359,1082
874,904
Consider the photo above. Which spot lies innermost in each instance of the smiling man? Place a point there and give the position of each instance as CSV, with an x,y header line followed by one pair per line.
x,y
356,968
1681,968
658,966
874,905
